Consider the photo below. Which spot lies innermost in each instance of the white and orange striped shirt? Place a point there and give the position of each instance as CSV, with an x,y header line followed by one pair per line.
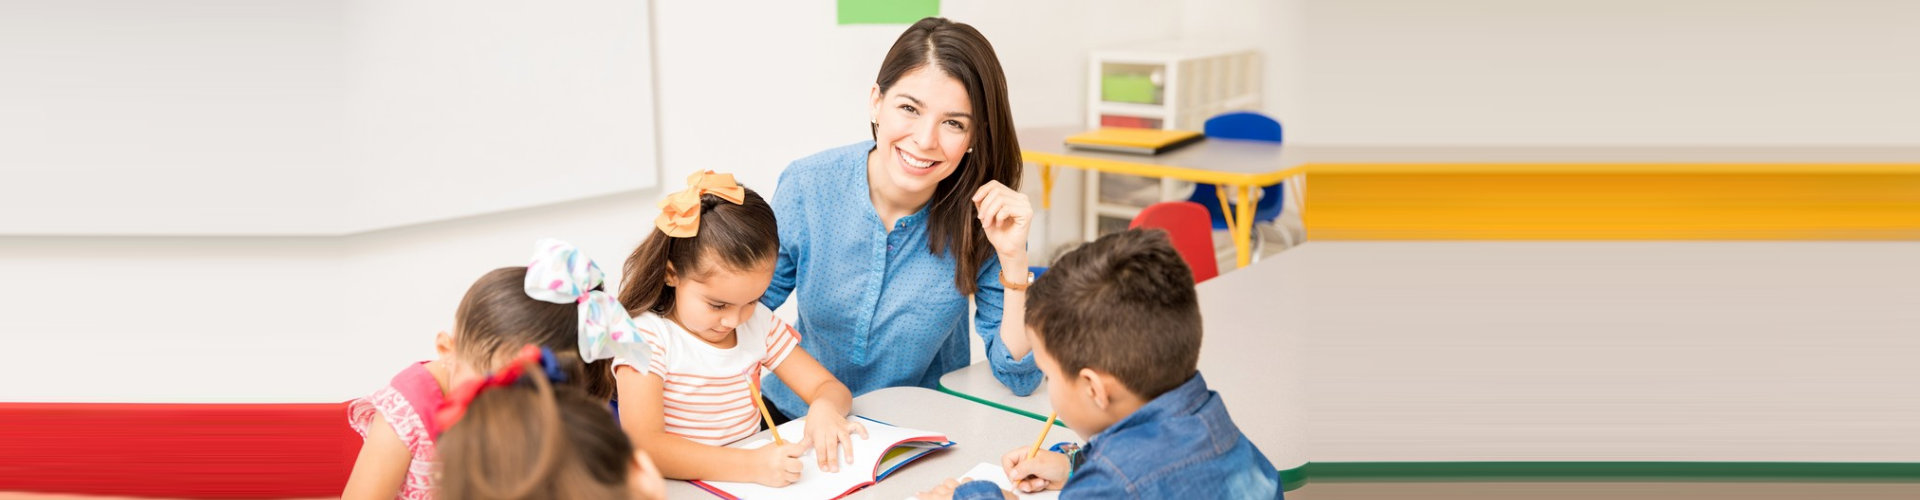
x,y
705,387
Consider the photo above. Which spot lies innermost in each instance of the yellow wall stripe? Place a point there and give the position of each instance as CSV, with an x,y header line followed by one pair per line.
x,y
1613,202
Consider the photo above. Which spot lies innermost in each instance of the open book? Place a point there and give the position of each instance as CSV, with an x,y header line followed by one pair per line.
x,y
884,451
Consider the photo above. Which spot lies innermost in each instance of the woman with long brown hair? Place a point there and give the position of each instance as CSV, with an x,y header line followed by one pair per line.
x,y
887,241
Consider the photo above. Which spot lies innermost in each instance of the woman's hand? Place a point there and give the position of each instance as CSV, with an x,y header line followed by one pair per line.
x,y
1005,214
830,435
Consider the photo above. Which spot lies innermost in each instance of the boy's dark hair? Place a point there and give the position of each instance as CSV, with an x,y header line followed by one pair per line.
x,y
1123,304
497,316
534,440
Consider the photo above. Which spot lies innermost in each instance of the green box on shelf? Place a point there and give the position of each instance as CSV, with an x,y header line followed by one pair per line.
x,y
1127,88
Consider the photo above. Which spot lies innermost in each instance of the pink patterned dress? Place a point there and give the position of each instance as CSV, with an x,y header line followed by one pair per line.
x,y
408,404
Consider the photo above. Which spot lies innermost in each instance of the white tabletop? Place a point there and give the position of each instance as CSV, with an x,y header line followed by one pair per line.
x,y
976,382
980,434
1490,351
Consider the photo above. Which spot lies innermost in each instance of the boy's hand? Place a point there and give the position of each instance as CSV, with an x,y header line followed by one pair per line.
x,y
779,464
829,433
1046,471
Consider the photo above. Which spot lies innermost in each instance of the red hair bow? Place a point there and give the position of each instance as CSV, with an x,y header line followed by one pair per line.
x,y
456,402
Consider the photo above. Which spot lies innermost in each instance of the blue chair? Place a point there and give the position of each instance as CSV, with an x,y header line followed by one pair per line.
x,y
1247,126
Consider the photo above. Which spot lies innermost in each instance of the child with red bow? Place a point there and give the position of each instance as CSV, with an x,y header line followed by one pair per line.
x,y
556,303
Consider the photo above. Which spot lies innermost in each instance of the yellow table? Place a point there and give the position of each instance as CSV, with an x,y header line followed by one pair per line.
x,y
1613,193
1415,192
1237,165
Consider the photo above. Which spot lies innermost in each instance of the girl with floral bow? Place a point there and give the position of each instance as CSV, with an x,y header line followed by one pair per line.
x,y
557,303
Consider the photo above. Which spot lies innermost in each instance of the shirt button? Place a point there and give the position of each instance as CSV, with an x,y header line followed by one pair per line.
x,y
889,247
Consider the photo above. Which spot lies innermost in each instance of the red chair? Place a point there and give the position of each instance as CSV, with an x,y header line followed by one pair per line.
x,y
201,451
1187,224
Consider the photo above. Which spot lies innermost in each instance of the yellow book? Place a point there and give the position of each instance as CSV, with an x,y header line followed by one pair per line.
x,y
1143,141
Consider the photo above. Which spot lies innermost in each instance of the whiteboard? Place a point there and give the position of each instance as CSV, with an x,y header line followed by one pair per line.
x,y
314,117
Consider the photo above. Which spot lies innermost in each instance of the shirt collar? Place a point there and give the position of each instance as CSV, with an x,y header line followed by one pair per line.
x,y
1183,400
863,192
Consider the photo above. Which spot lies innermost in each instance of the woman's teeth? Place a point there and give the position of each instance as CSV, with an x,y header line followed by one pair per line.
x,y
915,163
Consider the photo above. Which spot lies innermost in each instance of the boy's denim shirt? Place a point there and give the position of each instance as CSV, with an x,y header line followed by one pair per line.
x,y
1180,445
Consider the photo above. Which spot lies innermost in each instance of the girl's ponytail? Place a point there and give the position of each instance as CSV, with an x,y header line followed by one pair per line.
x,y
515,434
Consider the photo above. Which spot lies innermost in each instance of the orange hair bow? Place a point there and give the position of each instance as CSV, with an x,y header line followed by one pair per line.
x,y
680,212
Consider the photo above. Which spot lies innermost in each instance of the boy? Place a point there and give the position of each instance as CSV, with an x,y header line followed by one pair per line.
x,y
1116,328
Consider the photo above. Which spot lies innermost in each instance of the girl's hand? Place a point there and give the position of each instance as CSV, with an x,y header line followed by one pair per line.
x,y
647,483
829,433
1005,214
779,465
1045,471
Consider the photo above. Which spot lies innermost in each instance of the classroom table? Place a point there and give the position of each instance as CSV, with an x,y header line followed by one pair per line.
x,y
1494,351
980,434
1236,165
1434,192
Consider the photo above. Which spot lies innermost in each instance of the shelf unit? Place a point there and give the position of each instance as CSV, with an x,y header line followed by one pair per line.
x,y
1166,85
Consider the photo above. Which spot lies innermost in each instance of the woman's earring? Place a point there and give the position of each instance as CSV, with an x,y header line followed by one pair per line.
x,y
969,150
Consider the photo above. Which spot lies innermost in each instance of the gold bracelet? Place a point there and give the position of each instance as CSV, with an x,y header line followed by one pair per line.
x,y
1021,287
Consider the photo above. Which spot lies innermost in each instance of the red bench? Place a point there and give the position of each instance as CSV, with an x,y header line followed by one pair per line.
x,y
212,451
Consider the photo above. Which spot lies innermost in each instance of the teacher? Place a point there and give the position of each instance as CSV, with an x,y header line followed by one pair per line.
x,y
886,241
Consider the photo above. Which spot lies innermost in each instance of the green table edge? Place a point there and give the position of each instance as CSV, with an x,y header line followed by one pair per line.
x,y
1596,471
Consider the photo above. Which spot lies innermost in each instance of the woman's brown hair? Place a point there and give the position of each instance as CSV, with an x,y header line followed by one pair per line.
x,y
496,317
741,236
534,440
960,52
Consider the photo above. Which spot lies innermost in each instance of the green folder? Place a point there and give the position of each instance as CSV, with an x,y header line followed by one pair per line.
x,y
1127,88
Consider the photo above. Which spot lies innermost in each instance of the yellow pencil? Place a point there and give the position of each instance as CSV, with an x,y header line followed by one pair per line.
x,y
1043,436
761,404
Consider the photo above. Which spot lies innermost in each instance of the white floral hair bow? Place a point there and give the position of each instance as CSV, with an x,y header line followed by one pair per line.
x,y
560,274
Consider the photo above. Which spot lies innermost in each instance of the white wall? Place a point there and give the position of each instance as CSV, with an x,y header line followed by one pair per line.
x,y
1500,72
747,91
137,116
1274,27
462,107
154,319
751,93
329,318
1722,72
314,117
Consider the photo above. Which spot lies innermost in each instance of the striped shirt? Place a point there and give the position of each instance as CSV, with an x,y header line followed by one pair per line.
x,y
706,397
